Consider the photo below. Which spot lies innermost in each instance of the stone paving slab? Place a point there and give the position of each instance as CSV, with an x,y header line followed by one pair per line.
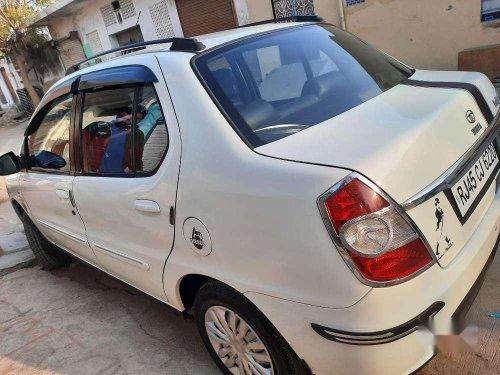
x,y
15,259
77,320
12,238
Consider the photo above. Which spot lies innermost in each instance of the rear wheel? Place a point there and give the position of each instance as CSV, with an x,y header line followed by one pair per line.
x,y
46,252
240,339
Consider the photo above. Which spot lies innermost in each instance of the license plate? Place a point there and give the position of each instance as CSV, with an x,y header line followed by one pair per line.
x,y
468,190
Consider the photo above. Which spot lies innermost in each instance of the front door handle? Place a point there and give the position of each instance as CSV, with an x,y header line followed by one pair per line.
x,y
145,205
62,194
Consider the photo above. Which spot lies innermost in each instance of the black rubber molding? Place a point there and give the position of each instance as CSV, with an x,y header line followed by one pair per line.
x,y
475,92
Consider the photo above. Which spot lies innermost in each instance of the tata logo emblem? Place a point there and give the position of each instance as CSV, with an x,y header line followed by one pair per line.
x,y
496,101
470,116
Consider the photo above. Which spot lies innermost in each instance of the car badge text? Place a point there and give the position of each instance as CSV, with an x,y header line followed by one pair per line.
x,y
197,239
470,116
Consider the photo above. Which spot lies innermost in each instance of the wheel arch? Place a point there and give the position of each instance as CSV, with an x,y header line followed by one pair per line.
x,y
189,286
18,208
191,283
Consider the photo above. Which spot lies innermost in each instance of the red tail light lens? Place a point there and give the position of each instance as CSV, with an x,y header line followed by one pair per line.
x,y
353,200
376,238
396,264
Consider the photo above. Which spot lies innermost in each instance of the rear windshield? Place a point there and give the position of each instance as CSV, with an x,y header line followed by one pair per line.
x,y
277,84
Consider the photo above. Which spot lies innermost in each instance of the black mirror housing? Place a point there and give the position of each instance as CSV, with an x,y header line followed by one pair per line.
x,y
9,164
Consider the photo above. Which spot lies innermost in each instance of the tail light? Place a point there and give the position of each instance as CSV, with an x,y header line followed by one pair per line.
x,y
375,238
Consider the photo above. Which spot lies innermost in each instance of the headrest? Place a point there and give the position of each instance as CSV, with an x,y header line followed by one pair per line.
x,y
325,84
258,113
227,81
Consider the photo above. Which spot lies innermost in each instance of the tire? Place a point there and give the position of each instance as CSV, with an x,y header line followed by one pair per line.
x,y
217,298
49,255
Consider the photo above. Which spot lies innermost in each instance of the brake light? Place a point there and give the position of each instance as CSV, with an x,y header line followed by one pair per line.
x,y
377,240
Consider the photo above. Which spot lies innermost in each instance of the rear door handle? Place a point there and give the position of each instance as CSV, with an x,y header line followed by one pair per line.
x,y
145,205
62,194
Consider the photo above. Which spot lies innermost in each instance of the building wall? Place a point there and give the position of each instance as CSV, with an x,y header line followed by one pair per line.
x,y
427,34
14,79
260,10
89,20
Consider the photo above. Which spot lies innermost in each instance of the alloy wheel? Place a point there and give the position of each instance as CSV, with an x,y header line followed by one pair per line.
x,y
236,343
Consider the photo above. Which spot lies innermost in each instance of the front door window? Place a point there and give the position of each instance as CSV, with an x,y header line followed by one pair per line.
x,y
48,146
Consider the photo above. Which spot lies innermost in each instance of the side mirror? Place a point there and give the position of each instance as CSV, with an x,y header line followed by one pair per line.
x,y
9,164
48,160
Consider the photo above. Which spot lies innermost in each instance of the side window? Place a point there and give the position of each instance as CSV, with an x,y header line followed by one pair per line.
x,y
48,146
152,142
107,131
112,143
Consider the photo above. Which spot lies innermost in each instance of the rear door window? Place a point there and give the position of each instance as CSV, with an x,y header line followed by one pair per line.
x,y
153,143
277,84
123,131
107,131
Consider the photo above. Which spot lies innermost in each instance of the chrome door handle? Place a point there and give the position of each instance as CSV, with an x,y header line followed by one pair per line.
x,y
145,205
62,194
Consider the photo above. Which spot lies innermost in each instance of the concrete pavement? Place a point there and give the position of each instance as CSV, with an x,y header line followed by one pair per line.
x,y
14,249
78,320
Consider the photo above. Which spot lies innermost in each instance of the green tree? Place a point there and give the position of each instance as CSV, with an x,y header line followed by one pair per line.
x,y
17,39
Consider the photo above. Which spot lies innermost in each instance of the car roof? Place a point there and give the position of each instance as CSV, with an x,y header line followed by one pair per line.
x,y
226,36
212,40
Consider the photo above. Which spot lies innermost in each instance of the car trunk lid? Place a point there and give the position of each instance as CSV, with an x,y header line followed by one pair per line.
x,y
404,140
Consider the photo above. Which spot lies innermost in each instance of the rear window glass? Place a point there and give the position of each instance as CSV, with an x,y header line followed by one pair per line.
x,y
275,85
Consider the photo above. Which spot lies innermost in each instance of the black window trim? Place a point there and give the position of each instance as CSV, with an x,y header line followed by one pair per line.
x,y
78,131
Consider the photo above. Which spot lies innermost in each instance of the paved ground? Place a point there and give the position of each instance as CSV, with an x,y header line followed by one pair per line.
x,y
14,250
80,321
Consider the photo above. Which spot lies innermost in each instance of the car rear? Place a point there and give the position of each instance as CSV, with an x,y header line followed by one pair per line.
x,y
417,218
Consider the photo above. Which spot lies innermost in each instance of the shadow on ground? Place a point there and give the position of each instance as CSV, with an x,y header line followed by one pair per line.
x,y
80,321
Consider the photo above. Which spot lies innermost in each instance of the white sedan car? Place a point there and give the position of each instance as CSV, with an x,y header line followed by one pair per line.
x,y
318,206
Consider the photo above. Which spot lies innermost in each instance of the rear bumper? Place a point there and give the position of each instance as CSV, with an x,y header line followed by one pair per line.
x,y
455,286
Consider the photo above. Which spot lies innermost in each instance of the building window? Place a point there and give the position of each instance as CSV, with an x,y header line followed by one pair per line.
x,y
108,15
349,3
288,8
490,10
161,20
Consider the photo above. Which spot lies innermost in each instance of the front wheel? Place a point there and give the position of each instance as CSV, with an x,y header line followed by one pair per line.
x,y
240,339
49,256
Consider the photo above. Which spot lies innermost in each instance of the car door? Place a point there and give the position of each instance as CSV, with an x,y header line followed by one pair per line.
x,y
130,155
47,184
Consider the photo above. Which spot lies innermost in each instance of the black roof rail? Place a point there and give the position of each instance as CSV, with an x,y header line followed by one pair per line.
x,y
313,18
178,44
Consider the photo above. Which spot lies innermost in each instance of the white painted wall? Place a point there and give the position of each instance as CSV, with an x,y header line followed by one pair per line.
x,y
241,10
15,80
90,19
